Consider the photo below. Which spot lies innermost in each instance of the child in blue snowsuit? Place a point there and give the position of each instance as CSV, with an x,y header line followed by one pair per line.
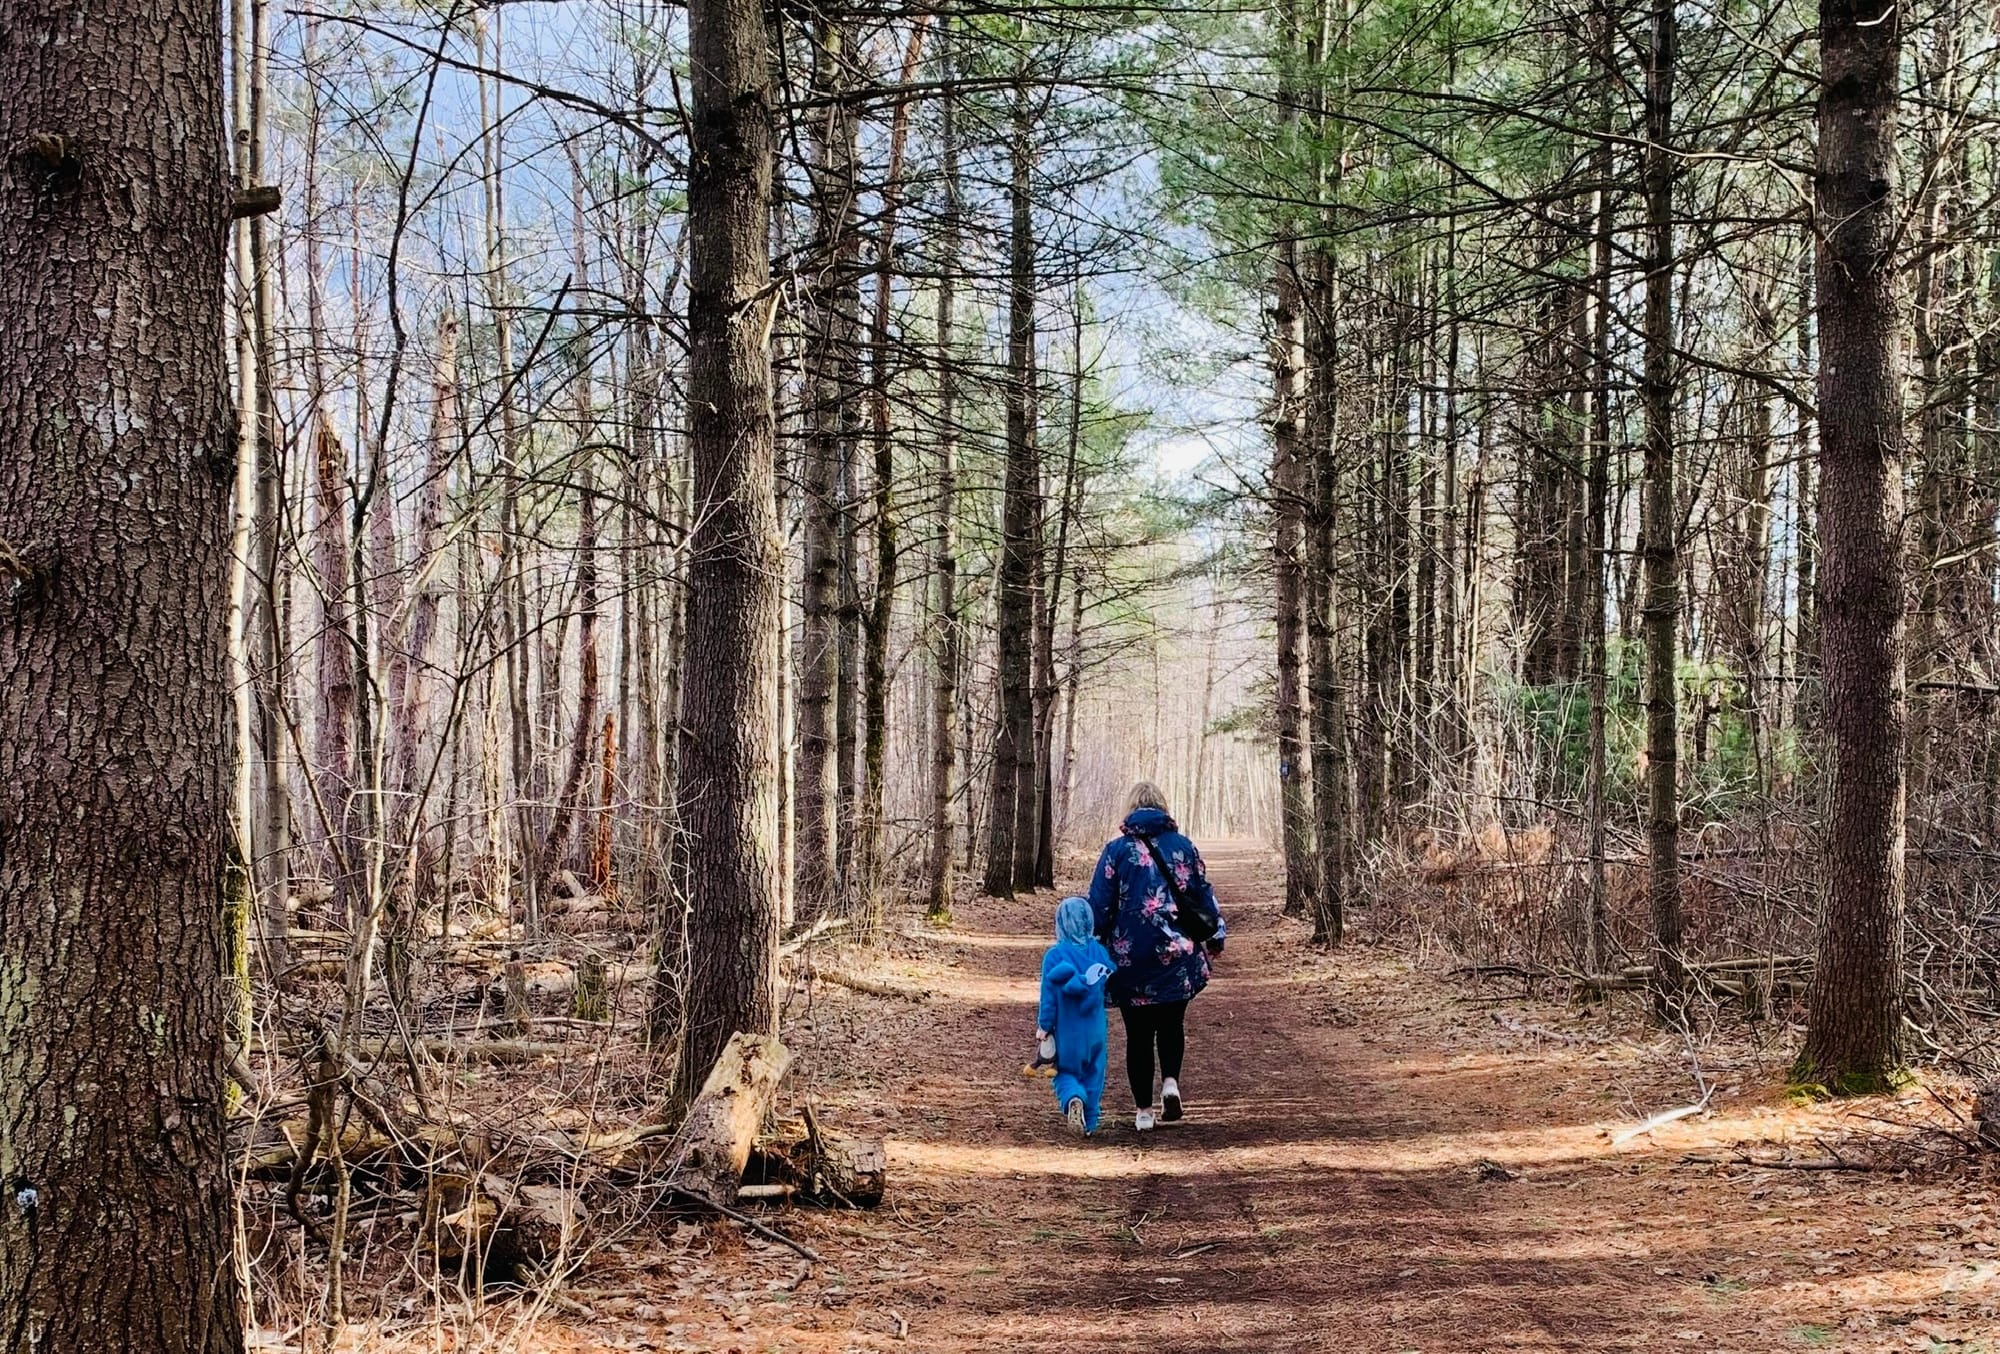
x,y
1072,1013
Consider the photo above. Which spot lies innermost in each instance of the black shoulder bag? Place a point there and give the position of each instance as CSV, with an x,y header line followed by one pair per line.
x,y
1190,921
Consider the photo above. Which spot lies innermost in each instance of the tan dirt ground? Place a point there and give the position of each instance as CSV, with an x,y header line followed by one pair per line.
x,y
1376,1157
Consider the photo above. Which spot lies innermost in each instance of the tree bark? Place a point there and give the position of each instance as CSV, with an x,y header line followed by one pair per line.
x,y
1603,254
115,1222
1327,693
1853,1032
869,844
1662,524
1288,518
726,854
947,635
1012,826
832,316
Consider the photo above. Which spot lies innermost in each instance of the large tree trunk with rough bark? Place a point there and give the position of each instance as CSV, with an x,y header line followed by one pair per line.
x,y
1853,1038
726,854
1010,849
1661,529
115,1222
1328,718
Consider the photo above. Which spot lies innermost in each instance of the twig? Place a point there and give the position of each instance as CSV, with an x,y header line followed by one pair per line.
x,y
1660,1120
745,1221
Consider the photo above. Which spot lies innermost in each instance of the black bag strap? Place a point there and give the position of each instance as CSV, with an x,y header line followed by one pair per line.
x,y
1161,864
1187,920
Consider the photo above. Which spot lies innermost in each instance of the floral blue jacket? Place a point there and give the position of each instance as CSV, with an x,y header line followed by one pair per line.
x,y
1134,911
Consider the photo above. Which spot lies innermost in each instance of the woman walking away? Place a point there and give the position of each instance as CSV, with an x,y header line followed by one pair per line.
x,y
1150,898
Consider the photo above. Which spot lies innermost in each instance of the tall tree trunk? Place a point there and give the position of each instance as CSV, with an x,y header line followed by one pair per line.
x,y
875,666
1662,524
830,312
1288,511
947,633
1853,1034
114,498
1014,726
330,779
1328,704
1604,224
1049,606
410,667
726,855
557,845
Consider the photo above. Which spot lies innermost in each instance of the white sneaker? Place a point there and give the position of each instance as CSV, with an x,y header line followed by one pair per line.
x,y
1142,1122
1073,1114
1170,1100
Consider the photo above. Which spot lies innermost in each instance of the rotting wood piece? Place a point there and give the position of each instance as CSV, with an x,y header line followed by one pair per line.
x,y
500,1225
815,1167
1986,1112
722,1124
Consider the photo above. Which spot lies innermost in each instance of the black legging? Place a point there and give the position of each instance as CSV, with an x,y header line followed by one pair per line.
x,y
1145,1026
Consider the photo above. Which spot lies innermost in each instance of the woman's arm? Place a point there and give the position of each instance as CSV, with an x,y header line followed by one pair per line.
x,y
1104,891
1203,895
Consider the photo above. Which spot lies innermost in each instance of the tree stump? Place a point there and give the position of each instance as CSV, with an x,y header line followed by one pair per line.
x,y
1986,1112
514,998
592,999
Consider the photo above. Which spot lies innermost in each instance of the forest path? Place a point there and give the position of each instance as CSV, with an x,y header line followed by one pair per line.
x,y
1373,1159
1325,1191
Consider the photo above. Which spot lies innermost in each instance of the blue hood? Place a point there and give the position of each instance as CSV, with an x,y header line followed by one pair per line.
x,y
1074,922
1149,822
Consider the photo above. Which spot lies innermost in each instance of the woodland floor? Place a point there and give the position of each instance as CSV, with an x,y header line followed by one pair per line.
x,y
1376,1157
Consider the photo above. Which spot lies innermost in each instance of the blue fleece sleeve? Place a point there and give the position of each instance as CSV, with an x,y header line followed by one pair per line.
x,y
1045,1014
1104,891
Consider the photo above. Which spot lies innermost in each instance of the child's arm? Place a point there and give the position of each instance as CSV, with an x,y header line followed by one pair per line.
x,y
1045,1013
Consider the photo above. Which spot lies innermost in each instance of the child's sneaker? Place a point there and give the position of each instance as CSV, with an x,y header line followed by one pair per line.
x,y
1073,1113
1170,1101
1142,1122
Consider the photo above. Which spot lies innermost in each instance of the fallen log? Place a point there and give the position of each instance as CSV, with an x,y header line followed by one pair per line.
x,y
792,944
556,978
1749,963
470,1050
722,1124
874,987
819,1167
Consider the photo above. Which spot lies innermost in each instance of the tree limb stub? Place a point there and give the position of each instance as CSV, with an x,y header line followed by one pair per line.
x,y
258,200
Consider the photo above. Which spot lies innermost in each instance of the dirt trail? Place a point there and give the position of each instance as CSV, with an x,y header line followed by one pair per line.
x,y
1371,1161
1317,1196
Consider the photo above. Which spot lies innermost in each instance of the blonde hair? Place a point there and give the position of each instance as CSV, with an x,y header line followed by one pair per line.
x,y
1146,795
